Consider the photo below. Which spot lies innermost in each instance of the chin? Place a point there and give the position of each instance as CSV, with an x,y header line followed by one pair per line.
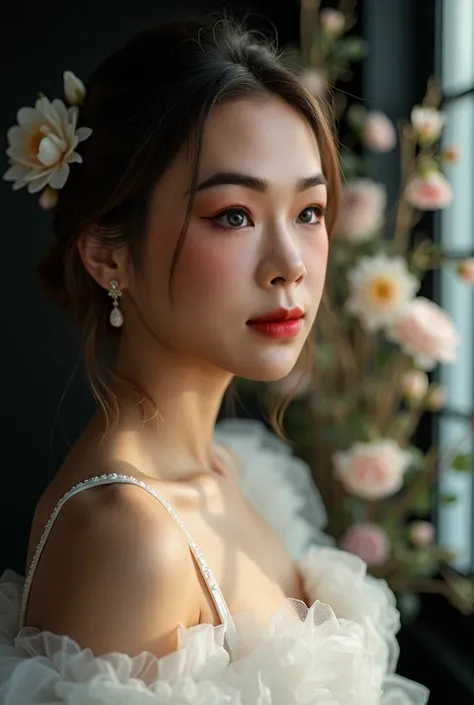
x,y
270,368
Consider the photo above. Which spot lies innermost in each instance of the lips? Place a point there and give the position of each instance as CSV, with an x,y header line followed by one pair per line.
x,y
279,315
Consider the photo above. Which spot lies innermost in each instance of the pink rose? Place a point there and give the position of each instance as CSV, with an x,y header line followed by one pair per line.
x,y
426,333
429,192
333,22
422,533
378,132
369,542
465,270
315,81
372,470
362,212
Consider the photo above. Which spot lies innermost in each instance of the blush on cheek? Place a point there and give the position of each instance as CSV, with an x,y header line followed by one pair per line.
x,y
315,256
210,269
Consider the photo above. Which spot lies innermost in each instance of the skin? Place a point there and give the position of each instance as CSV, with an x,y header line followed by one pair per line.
x,y
269,251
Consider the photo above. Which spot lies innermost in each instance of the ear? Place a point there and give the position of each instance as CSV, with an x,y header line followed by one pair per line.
x,y
103,262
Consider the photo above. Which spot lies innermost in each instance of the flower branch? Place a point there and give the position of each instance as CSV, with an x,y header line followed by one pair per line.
x,y
376,336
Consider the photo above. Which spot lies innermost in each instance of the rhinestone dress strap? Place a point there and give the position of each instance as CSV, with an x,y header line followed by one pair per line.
x,y
110,478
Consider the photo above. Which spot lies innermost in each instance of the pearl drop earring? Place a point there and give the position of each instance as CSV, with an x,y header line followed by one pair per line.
x,y
116,316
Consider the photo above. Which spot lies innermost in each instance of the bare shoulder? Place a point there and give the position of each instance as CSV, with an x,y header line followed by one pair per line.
x,y
116,573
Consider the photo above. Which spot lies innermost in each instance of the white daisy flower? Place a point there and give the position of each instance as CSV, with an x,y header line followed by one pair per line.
x,y
381,287
41,147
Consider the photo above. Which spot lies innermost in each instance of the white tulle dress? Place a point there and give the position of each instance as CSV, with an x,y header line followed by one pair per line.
x,y
341,650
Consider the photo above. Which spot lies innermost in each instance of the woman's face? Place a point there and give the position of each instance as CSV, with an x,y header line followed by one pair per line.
x,y
256,241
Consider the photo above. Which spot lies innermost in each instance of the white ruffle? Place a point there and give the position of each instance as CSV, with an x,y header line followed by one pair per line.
x,y
277,483
340,651
302,656
341,579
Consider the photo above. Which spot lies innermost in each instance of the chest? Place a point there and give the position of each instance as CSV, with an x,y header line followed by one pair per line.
x,y
248,560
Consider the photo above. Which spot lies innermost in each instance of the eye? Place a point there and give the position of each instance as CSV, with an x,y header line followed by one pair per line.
x,y
233,219
311,215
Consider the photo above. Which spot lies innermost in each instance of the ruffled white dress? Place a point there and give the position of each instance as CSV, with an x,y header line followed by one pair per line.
x,y
339,651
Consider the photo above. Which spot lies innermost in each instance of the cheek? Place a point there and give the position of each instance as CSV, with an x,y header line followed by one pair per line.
x,y
315,256
207,269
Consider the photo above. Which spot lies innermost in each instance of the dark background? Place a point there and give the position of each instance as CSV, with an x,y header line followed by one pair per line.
x,y
45,401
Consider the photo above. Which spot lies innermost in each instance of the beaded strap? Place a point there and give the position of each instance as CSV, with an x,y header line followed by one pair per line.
x,y
109,478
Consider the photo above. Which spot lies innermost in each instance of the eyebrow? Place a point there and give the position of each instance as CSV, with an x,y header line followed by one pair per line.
x,y
227,178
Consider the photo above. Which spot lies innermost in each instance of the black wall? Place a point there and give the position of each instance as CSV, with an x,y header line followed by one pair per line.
x,y
42,410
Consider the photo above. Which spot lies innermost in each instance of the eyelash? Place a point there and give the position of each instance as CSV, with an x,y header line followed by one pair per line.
x,y
317,209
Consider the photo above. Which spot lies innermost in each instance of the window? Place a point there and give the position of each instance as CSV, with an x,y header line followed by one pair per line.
x,y
455,229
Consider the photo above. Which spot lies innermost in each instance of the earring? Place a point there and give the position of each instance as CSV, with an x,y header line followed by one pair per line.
x,y
116,316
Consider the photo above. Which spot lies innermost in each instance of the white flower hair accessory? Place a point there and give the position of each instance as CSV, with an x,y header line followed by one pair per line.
x,y
42,146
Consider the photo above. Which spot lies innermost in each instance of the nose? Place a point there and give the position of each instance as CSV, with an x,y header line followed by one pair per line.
x,y
282,264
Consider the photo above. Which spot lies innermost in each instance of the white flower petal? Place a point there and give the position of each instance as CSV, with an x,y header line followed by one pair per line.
x,y
60,109
49,152
39,184
36,173
17,171
74,157
49,114
19,156
59,178
17,136
19,184
73,116
27,117
60,142
83,133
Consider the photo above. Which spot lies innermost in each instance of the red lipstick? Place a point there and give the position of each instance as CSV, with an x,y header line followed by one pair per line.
x,y
281,323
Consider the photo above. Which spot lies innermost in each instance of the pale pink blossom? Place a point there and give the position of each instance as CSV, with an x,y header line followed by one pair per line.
x,y
372,470
415,384
378,132
333,22
369,542
465,269
428,192
422,533
427,123
314,80
362,212
48,198
297,383
426,333
436,398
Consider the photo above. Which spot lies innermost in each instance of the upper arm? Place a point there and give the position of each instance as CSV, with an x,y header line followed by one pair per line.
x,y
119,573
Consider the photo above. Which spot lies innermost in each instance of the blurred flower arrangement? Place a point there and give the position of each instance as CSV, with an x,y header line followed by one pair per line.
x,y
355,414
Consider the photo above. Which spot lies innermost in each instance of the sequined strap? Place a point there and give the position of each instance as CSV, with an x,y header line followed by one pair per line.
x,y
110,478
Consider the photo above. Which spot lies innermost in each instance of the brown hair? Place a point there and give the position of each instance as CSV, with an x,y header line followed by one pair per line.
x,y
144,103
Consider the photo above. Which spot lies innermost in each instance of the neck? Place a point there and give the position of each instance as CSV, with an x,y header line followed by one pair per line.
x,y
180,400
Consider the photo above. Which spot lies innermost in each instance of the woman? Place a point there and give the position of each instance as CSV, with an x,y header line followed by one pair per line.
x,y
193,233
